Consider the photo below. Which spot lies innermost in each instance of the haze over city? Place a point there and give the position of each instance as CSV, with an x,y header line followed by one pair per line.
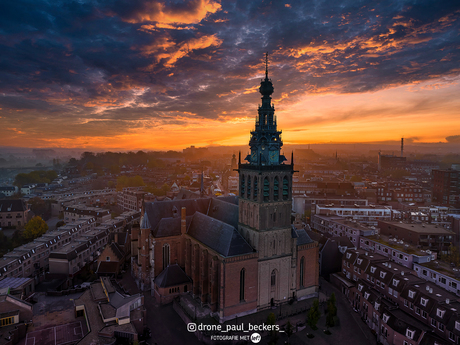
x,y
153,75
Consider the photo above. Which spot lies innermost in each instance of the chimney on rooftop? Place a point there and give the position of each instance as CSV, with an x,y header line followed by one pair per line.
x,y
402,146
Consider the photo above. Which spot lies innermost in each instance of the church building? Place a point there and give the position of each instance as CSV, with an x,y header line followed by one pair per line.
x,y
239,254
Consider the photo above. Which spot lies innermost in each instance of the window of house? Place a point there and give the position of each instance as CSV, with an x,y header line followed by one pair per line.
x,y
440,312
383,274
360,287
417,310
441,326
366,295
411,294
423,301
424,314
107,258
457,325
373,269
385,318
433,322
410,333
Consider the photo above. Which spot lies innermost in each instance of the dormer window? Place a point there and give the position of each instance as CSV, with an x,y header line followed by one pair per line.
x,y
410,334
348,255
376,306
373,269
385,318
395,282
457,325
366,295
383,274
360,287
423,301
411,294
440,312
360,261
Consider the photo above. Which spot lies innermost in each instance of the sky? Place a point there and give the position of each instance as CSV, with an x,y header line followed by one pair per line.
x,y
139,74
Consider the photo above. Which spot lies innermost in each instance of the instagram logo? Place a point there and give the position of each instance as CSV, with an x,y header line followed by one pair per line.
x,y
255,338
191,327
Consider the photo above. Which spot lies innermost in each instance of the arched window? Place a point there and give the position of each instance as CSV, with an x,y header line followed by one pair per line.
x,y
254,193
276,189
165,256
273,278
302,268
285,188
242,186
242,277
249,187
266,189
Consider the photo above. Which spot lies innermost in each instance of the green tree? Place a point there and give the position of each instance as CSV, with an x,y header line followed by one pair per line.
x,y
313,315
34,228
289,330
129,181
271,320
331,311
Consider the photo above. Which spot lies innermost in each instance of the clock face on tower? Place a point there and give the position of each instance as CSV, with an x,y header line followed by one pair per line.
x,y
274,157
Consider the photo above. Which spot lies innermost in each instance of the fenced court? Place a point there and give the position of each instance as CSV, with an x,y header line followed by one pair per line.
x,y
63,334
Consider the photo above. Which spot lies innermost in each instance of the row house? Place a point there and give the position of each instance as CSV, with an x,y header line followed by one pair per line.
x,y
71,258
368,215
399,306
73,213
88,198
447,278
340,226
32,259
395,250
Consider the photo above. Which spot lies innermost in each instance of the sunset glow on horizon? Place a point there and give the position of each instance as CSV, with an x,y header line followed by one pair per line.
x,y
157,75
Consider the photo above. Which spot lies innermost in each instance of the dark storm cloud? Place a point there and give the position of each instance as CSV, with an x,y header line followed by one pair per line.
x,y
99,62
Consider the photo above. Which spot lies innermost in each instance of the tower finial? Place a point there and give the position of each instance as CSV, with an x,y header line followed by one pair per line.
x,y
266,65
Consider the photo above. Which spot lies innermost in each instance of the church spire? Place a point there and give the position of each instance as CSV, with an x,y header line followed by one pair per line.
x,y
266,65
266,140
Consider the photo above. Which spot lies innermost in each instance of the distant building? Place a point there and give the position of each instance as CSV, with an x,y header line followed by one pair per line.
x,y
391,162
427,236
446,187
8,191
367,215
13,213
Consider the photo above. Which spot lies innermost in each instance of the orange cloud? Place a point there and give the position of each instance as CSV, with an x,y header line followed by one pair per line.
x,y
178,52
193,13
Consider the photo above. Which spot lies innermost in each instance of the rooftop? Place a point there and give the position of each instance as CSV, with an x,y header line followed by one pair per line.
x,y
422,228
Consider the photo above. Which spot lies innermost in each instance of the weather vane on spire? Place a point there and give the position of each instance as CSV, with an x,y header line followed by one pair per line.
x,y
266,65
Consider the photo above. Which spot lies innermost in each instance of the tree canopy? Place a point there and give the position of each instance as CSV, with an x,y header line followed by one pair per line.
x,y
36,176
34,228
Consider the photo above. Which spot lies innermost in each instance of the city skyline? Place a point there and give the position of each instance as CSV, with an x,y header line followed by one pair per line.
x,y
150,75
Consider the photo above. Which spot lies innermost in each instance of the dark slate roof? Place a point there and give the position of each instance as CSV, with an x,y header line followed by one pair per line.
x,y
430,339
107,267
171,276
16,205
402,321
117,250
302,237
217,235
169,227
343,241
224,210
164,209
186,194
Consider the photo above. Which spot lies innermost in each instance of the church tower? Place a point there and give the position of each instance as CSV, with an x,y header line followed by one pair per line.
x,y
265,185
